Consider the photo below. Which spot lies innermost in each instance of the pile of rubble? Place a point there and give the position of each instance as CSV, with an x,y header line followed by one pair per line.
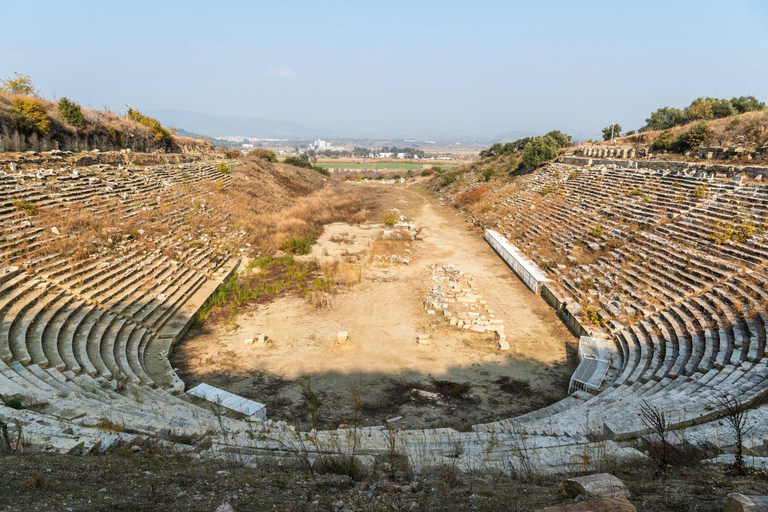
x,y
403,230
454,295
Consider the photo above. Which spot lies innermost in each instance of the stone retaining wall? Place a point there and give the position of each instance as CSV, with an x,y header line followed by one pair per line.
x,y
659,165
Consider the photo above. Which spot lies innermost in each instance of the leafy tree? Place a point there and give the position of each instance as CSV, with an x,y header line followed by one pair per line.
x,y
561,139
747,104
721,107
495,150
31,115
19,84
611,131
538,151
630,132
699,109
664,119
71,112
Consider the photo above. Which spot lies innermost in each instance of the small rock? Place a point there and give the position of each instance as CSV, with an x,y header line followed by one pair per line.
x,y
225,507
604,505
601,485
736,502
103,489
135,448
55,231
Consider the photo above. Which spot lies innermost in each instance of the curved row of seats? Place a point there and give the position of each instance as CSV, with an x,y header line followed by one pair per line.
x,y
688,314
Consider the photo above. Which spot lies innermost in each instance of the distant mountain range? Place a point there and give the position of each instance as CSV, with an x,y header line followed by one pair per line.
x,y
220,126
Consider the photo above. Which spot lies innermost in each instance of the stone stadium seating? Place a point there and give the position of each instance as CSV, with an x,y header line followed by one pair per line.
x,y
84,344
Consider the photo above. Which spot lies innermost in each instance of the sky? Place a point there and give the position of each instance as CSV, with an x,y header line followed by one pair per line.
x,y
429,69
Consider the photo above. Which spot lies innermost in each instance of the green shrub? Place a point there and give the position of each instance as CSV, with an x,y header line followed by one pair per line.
x,y
700,191
298,244
232,153
297,162
27,207
264,154
222,167
449,179
390,219
427,172
664,142
13,403
161,134
696,136
31,115
489,174
71,112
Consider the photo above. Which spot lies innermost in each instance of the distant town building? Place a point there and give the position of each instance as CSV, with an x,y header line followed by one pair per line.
x,y
321,145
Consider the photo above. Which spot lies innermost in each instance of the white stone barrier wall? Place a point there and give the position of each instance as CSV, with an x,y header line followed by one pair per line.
x,y
525,269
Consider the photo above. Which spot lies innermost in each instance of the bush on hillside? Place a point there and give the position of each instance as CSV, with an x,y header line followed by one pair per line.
x,y
538,151
298,162
31,115
71,112
232,153
161,134
264,154
665,142
696,136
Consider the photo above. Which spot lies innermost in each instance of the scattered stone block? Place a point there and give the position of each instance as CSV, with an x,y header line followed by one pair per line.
x,y
248,341
601,485
343,336
603,505
423,339
736,502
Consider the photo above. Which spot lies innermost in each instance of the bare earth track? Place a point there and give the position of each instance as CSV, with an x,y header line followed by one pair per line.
x,y
384,314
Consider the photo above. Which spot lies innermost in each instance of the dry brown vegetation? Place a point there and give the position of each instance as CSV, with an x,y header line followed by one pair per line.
x,y
263,206
750,128
118,128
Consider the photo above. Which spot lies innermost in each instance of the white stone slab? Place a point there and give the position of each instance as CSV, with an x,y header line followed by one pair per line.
x,y
230,401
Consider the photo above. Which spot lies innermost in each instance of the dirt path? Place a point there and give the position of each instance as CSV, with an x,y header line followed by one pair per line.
x,y
383,315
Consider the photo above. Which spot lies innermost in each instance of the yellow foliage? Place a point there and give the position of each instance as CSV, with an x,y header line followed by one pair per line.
x,y
31,115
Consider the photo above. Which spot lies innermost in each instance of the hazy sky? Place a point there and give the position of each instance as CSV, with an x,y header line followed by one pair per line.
x,y
410,68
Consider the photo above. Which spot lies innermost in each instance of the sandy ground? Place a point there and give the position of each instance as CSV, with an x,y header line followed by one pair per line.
x,y
383,315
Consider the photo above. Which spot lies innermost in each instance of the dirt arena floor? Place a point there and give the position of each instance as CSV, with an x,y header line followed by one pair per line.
x,y
373,376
